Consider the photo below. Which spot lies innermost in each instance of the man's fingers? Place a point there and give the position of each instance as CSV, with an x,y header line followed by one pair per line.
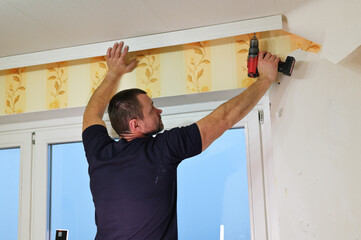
x,y
261,54
267,56
118,52
108,52
116,59
264,55
131,65
125,52
112,53
276,60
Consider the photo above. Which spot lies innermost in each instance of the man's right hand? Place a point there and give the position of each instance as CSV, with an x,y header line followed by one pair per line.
x,y
116,61
268,66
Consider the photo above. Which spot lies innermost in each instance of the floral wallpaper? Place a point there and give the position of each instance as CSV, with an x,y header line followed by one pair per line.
x,y
192,68
57,85
198,67
148,72
98,69
15,91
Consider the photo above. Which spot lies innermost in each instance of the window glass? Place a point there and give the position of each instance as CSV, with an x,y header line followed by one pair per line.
x,y
9,197
71,205
213,191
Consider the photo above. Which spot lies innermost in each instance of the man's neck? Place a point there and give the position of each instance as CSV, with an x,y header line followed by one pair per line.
x,y
131,136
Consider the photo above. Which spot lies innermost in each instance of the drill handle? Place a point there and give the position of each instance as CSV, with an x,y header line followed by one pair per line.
x,y
252,67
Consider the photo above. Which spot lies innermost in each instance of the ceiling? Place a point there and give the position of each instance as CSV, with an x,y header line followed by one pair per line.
x,y
37,25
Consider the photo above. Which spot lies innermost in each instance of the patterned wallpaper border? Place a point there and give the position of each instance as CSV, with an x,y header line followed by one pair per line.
x,y
191,68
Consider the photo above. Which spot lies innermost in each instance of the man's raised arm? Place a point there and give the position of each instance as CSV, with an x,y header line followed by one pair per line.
x,y
229,113
98,102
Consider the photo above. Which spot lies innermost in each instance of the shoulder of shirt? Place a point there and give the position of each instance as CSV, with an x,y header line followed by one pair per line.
x,y
94,126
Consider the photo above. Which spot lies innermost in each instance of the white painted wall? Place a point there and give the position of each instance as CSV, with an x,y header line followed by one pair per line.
x,y
333,23
316,126
315,119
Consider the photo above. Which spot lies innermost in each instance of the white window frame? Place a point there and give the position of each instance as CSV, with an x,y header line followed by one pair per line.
x,y
61,126
23,141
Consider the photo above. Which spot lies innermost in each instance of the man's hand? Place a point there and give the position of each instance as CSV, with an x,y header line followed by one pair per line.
x,y
117,65
98,102
268,66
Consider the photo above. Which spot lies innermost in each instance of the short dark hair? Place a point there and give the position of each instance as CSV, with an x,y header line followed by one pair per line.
x,y
123,107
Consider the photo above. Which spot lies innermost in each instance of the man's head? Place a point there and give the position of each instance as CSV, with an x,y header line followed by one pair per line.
x,y
131,111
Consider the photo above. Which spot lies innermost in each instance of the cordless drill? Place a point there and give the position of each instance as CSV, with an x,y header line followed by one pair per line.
x,y
284,67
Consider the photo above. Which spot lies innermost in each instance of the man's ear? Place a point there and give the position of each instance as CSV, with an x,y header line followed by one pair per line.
x,y
133,125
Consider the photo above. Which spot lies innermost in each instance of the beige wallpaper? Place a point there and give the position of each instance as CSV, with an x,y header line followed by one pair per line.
x,y
148,72
198,67
191,68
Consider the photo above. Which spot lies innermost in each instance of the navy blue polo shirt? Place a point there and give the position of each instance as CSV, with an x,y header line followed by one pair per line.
x,y
134,184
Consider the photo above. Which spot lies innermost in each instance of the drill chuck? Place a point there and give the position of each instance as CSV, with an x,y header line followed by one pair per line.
x,y
253,47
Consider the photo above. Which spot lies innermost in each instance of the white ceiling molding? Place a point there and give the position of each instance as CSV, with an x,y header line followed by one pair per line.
x,y
144,42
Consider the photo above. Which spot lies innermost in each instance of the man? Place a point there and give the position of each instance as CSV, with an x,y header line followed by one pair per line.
x,y
133,181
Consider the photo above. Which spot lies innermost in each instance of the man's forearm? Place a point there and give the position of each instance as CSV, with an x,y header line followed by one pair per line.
x,y
102,95
225,116
98,102
229,113
238,107
232,111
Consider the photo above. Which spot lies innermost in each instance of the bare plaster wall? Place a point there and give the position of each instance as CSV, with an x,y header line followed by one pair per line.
x,y
315,119
316,126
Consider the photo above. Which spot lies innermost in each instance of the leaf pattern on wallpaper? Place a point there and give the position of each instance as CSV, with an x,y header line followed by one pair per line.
x,y
195,68
100,72
309,46
59,79
148,62
246,82
14,92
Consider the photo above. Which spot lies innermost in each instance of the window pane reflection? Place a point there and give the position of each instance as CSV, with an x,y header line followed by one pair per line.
x,y
213,191
71,205
9,197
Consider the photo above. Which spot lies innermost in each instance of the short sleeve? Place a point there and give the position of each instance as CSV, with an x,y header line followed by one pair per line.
x,y
94,138
181,143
